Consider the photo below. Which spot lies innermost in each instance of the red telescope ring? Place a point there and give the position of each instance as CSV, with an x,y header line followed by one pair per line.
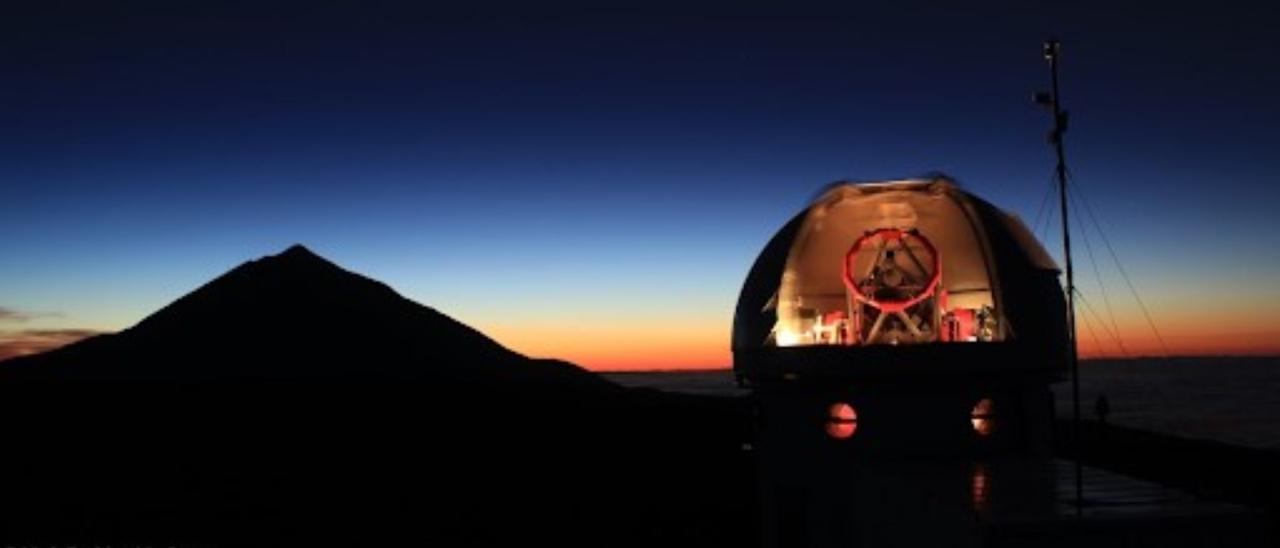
x,y
892,234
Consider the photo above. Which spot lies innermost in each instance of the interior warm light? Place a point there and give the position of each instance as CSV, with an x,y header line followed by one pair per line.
x,y
787,337
842,421
983,417
980,486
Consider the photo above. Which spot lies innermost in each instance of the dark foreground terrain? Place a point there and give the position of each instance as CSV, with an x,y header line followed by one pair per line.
x,y
356,465
1209,470
291,402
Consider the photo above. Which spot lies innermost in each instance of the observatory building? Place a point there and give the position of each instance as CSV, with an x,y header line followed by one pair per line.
x,y
899,339
899,317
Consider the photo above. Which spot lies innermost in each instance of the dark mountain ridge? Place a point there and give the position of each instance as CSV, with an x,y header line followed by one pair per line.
x,y
296,317
290,402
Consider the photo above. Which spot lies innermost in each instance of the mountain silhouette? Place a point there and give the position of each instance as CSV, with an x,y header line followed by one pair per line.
x,y
296,316
289,402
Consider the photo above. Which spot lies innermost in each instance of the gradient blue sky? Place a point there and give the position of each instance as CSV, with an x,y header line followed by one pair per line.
x,y
593,183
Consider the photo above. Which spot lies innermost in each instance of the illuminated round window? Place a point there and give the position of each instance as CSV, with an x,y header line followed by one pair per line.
x,y
842,421
983,417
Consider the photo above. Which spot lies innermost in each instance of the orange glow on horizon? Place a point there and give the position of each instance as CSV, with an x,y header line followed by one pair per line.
x,y
621,345
14,344
637,345
649,341
1180,337
1227,327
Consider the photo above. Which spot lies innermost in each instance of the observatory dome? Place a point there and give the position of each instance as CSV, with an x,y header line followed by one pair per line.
x,y
902,271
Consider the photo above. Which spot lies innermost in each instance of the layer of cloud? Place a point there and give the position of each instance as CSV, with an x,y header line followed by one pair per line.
x,y
12,315
33,341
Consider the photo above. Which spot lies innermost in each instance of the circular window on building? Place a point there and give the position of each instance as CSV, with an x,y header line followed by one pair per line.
x,y
842,421
983,417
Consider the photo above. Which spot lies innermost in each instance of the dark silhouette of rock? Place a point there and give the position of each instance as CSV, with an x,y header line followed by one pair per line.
x,y
297,317
290,402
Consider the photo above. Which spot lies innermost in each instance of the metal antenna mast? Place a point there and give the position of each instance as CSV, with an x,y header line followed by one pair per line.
x,y
1053,100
